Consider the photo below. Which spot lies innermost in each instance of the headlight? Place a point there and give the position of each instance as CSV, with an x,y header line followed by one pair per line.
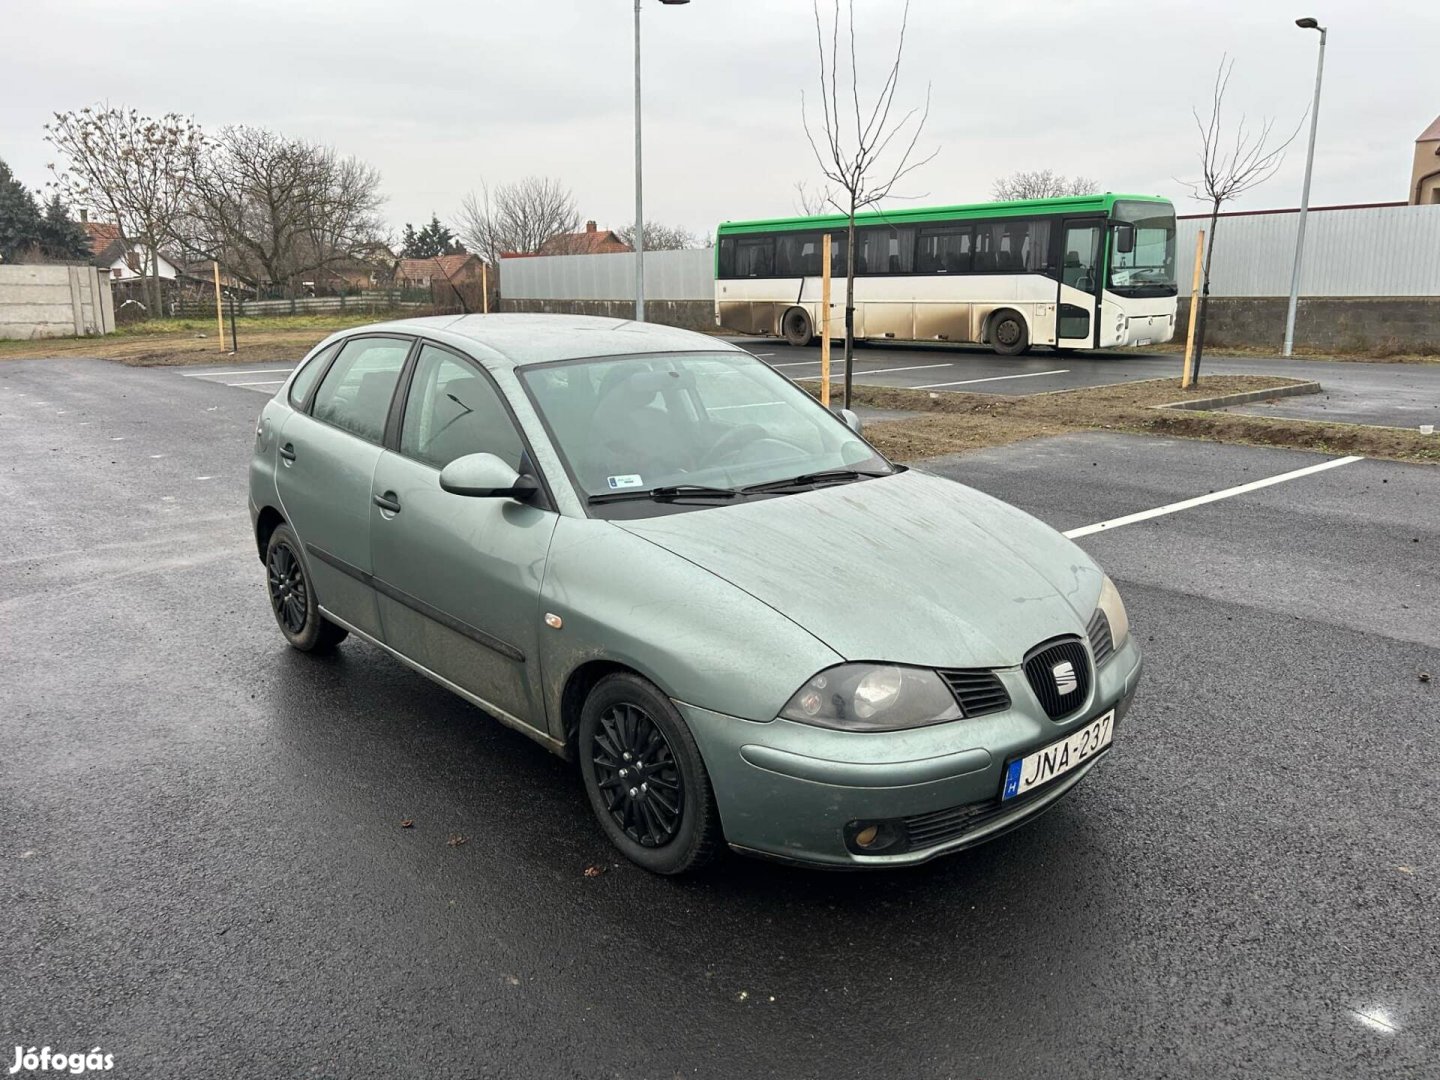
x,y
873,697
1114,609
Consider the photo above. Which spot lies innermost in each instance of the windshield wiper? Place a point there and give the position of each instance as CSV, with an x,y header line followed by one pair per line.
x,y
829,476
666,492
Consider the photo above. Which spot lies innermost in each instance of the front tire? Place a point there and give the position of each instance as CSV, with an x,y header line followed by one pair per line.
x,y
1008,333
292,597
646,781
796,328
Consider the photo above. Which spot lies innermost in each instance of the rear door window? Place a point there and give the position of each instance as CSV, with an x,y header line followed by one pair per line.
x,y
355,393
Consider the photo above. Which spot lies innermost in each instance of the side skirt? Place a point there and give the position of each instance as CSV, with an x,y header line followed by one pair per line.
x,y
555,746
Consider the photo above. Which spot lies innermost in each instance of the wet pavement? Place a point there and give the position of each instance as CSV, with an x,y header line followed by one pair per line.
x,y
202,868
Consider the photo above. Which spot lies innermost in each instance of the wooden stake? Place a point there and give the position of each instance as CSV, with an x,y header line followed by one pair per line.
x,y
219,311
1187,379
485,288
825,321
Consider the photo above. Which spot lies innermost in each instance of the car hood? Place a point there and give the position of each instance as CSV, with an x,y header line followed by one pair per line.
x,y
910,568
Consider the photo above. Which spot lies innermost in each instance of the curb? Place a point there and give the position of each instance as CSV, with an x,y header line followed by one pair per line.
x,y
1226,400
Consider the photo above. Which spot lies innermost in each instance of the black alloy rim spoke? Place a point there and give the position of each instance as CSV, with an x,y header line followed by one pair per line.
x,y
287,588
648,800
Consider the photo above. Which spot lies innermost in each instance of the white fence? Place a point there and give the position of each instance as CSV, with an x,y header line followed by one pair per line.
x,y
669,275
54,301
1359,251
1350,251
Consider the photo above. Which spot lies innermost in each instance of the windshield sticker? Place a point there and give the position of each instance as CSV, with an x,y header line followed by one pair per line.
x,y
618,483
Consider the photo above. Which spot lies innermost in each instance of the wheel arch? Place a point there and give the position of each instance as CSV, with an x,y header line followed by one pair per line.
x,y
578,684
266,522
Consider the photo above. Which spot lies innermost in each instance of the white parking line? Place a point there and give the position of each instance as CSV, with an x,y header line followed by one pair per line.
x,y
993,378
242,371
837,371
1170,508
267,382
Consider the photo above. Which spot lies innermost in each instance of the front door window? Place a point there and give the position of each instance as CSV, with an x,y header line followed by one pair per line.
x,y
1078,268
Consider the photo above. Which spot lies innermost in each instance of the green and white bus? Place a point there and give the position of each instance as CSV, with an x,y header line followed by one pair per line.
x,y
1082,272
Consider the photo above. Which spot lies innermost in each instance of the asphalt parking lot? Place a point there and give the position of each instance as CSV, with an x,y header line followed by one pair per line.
x,y
204,873
1393,395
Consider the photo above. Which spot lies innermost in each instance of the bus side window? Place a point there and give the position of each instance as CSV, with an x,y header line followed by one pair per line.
x,y
727,257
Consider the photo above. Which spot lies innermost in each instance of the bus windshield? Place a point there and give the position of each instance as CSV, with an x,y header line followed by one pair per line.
x,y
1148,270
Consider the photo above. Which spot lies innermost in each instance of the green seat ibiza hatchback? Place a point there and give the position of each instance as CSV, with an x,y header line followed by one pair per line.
x,y
627,542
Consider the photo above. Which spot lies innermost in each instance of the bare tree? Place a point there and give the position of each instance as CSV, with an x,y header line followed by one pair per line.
x,y
1230,165
1040,184
856,161
811,202
518,216
276,209
660,237
132,169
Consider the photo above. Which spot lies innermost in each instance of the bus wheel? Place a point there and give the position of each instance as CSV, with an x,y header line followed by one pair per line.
x,y
795,326
1008,335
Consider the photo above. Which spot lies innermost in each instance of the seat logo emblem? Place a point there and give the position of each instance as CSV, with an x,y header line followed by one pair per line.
x,y
1065,678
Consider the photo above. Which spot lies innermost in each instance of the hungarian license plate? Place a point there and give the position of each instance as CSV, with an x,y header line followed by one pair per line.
x,y
1034,770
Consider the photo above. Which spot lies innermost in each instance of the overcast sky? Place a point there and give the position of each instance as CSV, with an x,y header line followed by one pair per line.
x,y
440,94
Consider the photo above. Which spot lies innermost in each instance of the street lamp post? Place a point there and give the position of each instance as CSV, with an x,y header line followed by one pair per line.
x,y
639,190
1304,24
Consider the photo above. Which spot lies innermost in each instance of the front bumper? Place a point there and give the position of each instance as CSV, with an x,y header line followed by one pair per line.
x,y
787,790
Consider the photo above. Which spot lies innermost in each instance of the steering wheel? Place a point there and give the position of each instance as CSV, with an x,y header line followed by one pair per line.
x,y
730,443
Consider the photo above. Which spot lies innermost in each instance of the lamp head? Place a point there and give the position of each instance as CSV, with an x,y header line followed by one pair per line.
x,y
1304,24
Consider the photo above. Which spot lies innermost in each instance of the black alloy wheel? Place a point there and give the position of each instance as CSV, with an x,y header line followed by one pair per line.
x,y
637,776
292,597
289,595
644,776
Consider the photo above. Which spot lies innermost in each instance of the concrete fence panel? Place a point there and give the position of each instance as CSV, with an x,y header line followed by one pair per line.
x,y
54,301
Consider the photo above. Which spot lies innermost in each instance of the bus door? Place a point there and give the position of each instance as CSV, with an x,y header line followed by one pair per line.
x,y
1078,298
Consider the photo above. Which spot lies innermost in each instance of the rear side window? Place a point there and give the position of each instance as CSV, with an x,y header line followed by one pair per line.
x,y
355,394
300,388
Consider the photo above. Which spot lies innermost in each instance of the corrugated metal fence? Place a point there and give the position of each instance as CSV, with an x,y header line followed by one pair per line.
x,y
669,275
1360,251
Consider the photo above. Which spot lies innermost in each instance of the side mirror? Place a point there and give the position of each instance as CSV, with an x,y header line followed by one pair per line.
x,y
851,420
1124,237
485,476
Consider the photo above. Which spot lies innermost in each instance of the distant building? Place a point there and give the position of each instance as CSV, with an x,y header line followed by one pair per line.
x,y
593,241
442,269
123,262
1425,176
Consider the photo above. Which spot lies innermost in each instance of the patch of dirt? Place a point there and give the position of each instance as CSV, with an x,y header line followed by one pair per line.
x,y
955,422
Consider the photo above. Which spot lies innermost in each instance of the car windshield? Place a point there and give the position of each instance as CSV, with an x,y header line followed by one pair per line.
x,y
719,421
1149,269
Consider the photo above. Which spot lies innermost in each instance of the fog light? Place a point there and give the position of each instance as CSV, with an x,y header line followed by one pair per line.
x,y
875,837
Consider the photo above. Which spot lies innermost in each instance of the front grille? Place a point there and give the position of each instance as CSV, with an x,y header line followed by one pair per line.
x,y
941,826
978,691
1046,668
1102,644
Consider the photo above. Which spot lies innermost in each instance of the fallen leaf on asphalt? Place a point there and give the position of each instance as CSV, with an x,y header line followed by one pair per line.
x,y
456,840
512,980
1406,869
407,824
594,870
1424,676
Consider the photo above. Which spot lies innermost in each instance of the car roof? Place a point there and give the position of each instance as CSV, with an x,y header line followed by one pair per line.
x,y
524,339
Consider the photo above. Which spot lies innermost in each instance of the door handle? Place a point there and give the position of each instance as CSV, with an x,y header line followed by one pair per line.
x,y
388,502
288,451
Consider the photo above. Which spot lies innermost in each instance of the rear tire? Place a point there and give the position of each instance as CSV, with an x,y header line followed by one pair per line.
x,y
646,781
795,327
1008,334
292,596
